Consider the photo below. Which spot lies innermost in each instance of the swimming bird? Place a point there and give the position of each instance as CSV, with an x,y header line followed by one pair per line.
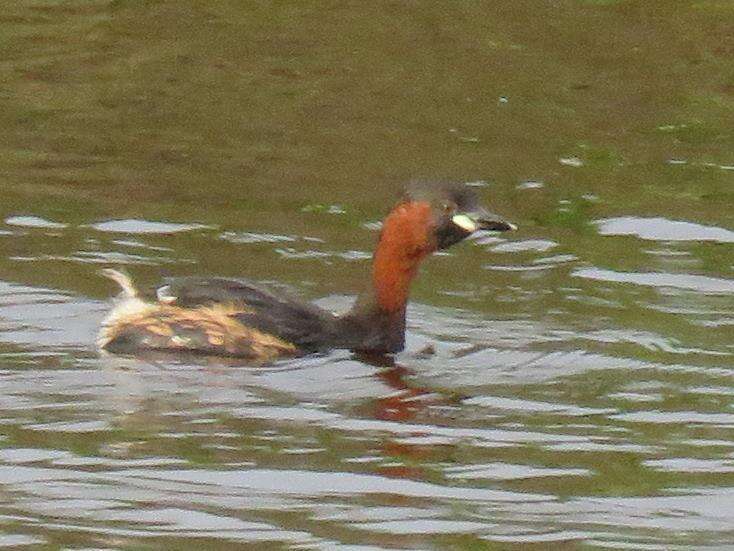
x,y
235,317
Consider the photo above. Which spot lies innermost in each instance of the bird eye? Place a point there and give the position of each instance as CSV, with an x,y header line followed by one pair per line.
x,y
448,208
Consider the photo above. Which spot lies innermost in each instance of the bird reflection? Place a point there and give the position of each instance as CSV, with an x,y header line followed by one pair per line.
x,y
409,403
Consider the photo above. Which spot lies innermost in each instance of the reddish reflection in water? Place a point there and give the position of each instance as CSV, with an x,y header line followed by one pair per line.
x,y
407,404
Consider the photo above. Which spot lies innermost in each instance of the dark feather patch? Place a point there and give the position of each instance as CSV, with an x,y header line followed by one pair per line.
x,y
305,325
463,197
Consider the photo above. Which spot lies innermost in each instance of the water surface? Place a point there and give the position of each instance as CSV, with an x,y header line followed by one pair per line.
x,y
581,393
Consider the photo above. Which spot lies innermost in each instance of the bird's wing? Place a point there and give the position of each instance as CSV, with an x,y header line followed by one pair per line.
x,y
301,323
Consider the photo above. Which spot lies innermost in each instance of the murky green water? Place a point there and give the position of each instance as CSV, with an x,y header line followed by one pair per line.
x,y
582,390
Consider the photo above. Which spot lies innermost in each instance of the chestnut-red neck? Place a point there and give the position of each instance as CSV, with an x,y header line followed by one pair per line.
x,y
377,320
404,242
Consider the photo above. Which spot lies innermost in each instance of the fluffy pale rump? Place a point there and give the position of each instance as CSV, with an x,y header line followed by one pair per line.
x,y
135,324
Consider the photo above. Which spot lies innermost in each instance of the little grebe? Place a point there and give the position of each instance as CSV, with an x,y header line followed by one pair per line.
x,y
233,317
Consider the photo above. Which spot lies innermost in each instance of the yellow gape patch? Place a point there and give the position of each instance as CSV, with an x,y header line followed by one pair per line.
x,y
465,223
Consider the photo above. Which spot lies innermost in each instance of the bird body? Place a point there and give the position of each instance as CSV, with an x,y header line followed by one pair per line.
x,y
235,317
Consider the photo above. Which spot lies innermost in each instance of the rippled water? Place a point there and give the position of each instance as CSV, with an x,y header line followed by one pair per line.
x,y
570,384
